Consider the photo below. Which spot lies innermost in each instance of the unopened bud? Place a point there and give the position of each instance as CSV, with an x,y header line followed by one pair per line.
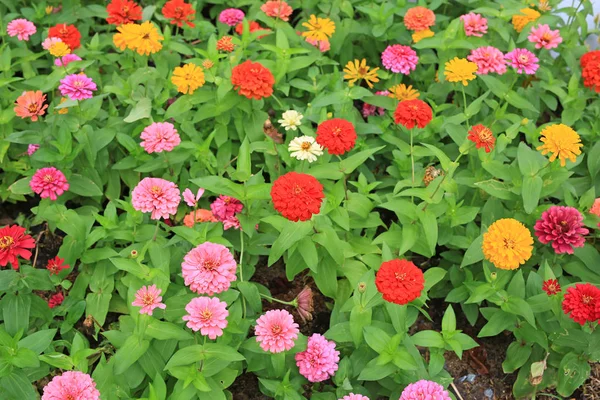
x,y
362,287
133,254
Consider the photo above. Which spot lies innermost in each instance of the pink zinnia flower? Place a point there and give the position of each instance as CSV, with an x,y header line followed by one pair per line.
x,y
49,182
398,58
156,195
49,41
523,60
277,9
31,105
424,390
563,226
231,16
322,45
488,59
225,207
66,60
231,222
353,396
369,109
21,28
276,331
209,268
77,87
542,36
71,385
56,300
475,24
207,315
149,298
189,197
159,137
320,359
32,148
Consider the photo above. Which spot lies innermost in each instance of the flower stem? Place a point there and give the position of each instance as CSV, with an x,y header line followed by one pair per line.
x,y
412,163
465,105
287,303
156,230
242,270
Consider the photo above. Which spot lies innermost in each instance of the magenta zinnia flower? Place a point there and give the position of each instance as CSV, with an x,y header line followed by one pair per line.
x,y
231,16
149,298
207,315
49,182
32,148
159,137
21,28
563,226
523,60
320,359
189,197
276,331
209,268
488,59
475,24
370,109
225,207
542,36
353,396
66,59
424,390
156,195
71,385
398,58
77,87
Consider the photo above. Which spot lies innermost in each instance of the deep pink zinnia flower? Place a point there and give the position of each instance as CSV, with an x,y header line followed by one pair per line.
x,y
370,109
320,359
475,24
21,28
542,36
189,197
353,396
398,58
231,16
77,86
66,59
207,315
209,268
32,148
71,385
225,207
156,195
523,60
149,298
276,331
424,390
159,137
488,59
563,226
231,222
49,182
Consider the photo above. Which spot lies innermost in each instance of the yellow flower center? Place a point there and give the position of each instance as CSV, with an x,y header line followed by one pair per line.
x,y
586,299
485,135
297,189
400,276
48,178
305,146
6,242
32,108
155,190
206,314
148,299
276,329
523,58
210,264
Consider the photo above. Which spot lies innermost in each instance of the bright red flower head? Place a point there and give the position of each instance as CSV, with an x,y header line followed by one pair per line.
x,y
55,265
582,303
14,243
336,135
67,33
551,287
56,300
483,137
413,112
123,12
253,80
400,281
297,196
589,57
591,76
179,12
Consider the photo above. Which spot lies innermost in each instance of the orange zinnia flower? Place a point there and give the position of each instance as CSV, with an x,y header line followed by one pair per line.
x,y
31,104
179,12
201,215
253,80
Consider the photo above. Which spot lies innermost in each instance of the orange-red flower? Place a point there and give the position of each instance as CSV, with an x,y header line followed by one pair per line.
x,y
179,12
200,215
277,9
67,33
252,27
419,18
31,104
253,80
297,196
482,136
336,135
225,44
123,12
400,281
14,243
413,112
590,65
582,303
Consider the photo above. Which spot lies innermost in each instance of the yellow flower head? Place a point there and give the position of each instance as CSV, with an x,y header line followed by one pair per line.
x,y
356,70
49,9
318,28
420,35
507,244
144,38
460,70
527,15
188,78
402,92
63,110
59,49
562,141
544,6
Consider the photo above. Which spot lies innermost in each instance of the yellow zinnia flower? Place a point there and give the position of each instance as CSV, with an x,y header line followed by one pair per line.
x,y
562,141
402,92
460,70
507,244
144,38
318,28
527,15
356,70
63,110
420,35
59,49
188,78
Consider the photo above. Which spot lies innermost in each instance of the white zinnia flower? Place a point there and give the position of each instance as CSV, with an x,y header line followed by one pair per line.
x,y
291,119
305,148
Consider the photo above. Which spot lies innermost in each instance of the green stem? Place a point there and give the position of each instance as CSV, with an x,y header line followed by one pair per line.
x,y
465,105
412,163
242,270
156,230
287,303
277,100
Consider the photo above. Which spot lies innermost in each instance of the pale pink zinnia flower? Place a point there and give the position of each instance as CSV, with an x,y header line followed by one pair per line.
x,y
209,268
189,197
231,16
66,60
488,59
71,385
32,148
207,315
398,58
353,396
50,41
424,390
49,182
370,109
21,28
542,36
322,45
276,331
523,60
225,207
156,195
159,137
563,226
149,298
77,87
475,24
320,359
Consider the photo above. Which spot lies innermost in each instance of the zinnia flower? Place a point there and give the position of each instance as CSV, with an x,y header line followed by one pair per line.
x,y
474,24
399,281
190,199
353,396
595,209
305,304
200,215
55,265
563,226
144,38
488,59
291,119
413,112
357,70
420,35
336,135
253,26
159,137
370,109
305,148
123,12
398,58
49,182
31,105
59,49
297,196
49,41
156,195
225,207
318,28
231,222
14,243
209,268
252,80
402,92
67,33
527,15
56,300
21,28
424,389
551,287
581,303
231,16
32,148
179,12
77,86
66,60
523,60
483,137
277,9
542,36
276,331
71,385
591,72
225,44
320,359
460,70
322,45
149,298
562,141
419,18
507,244
207,315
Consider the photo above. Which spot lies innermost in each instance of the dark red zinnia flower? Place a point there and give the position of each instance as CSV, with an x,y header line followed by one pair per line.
x,y
563,226
297,196
14,243
551,287
400,281
56,300
582,303
55,265
123,12
67,33
482,136
253,80
179,12
413,112
336,135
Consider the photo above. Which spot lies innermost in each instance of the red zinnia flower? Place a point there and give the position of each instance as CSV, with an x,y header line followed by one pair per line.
x,y
56,300
591,76
253,26
123,12
400,281
413,112
297,196
55,265
581,301
482,136
252,80
551,287
14,243
179,12
67,33
589,57
336,135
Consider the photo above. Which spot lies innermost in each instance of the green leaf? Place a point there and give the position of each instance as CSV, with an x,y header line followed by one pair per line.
x,y
530,161
440,155
516,356
219,185
360,317
518,306
430,226
376,338
142,109
593,160
573,371
131,266
244,166
519,102
17,386
373,371
532,188
166,330
474,253
499,322
291,233
349,164
251,294
16,312
21,186
38,341
129,353
449,320
433,276
428,339
25,358
83,186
